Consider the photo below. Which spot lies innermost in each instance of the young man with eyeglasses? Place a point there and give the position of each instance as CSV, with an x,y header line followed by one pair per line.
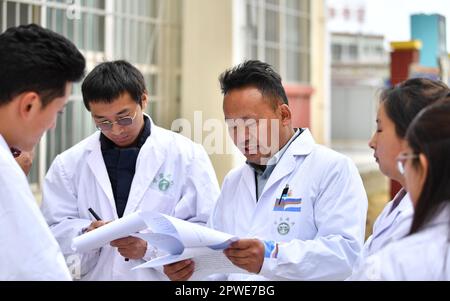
x,y
37,69
130,164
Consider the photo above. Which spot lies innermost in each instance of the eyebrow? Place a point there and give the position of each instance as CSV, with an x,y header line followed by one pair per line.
x,y
120,113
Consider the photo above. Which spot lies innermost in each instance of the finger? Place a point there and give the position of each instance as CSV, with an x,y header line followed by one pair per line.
x,y
240,264
240,261
236,253
241,244
122,242
178,266
125,252
95,225
185,273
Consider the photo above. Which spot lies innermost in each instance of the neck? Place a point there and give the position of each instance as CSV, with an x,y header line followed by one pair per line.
x,y
7,127
286,136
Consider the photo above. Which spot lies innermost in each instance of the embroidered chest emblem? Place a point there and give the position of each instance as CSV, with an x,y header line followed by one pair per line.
x,y
284,226
163,182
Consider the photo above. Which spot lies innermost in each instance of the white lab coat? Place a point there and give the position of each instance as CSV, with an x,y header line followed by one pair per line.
x,y
28,249
424,255
78,180
390,226
324,238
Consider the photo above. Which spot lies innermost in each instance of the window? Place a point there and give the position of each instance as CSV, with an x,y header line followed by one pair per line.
x,y
336,50
353,52
147,33
278,32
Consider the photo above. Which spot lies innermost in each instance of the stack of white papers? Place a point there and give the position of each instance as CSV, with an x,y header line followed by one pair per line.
x,y
178,238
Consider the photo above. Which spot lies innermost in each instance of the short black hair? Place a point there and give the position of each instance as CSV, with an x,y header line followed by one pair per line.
x,y
34,59
110,80
254,73
404,101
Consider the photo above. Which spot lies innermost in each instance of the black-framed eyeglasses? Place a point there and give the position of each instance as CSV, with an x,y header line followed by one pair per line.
x,y
107,125
401,161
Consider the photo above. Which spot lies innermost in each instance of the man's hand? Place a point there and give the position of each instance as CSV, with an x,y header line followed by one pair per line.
x,y
248,254
180,271
131,247
95,225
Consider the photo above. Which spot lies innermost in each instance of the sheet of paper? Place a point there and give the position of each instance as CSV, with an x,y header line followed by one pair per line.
x,y
207,262
191,235
163,242
214,263
100,237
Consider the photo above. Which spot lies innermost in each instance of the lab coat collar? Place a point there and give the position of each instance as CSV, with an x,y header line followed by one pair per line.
x,y
98,168
302,146
441,216
405,207
4,145
151,157
146,169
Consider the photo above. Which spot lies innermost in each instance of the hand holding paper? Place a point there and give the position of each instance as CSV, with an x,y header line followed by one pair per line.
x,y
102,236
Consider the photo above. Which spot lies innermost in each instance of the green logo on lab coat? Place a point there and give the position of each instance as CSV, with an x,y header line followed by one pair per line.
x,y
163,182
284,226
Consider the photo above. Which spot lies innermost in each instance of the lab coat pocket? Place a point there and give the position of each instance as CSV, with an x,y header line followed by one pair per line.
x,y
285,216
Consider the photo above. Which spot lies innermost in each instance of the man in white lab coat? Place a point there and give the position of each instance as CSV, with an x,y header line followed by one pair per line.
x,y
130,164
302,206
36,74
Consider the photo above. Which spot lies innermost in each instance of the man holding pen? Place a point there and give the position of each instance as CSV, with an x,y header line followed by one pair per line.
x,y
129,164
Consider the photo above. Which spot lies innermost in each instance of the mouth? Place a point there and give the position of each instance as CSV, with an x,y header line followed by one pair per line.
x,y
121,139
250,149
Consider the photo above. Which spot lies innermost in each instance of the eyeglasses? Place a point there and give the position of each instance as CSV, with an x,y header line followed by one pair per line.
x,y
107,125
401,161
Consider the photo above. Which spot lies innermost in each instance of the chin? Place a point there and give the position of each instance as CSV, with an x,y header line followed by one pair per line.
x,y
253,158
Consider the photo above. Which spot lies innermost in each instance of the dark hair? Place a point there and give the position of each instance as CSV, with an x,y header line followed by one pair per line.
x,y
403,102
255,74
110,80
34,59
429,135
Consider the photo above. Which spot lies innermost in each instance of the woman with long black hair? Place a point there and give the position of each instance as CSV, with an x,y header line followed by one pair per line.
x,y
425,162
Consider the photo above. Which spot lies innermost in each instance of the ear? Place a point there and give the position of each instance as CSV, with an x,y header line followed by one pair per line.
x,y
286,114
29,104
144,101
423,166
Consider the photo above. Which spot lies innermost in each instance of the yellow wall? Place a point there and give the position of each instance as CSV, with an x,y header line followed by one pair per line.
x,y
207,52
319,105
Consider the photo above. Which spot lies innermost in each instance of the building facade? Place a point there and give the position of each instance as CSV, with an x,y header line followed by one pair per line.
x,y
182,46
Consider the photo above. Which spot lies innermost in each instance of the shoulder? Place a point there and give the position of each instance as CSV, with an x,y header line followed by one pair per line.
x,y
328,157
176,145
234,175
76,155
80,149
410,258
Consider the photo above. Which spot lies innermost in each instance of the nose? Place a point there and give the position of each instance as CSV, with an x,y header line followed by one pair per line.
x,y
116,129
373,141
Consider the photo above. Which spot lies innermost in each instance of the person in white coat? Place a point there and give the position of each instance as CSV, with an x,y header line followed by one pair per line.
x,y
37,70
298,207
130,164
398,107
424,253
